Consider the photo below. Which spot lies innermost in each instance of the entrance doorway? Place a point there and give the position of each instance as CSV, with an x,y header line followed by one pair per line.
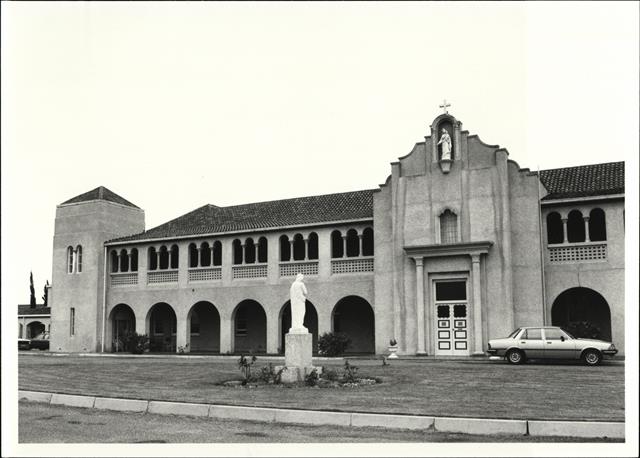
x,y
451,318
582,312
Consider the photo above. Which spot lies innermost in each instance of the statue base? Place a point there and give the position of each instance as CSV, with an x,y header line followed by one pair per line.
x,y
297,358
445,165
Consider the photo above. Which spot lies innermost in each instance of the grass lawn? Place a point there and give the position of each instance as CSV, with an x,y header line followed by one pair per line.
x,y
429,387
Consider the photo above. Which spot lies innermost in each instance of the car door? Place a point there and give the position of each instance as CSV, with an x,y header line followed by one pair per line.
x,y
558,345
531,342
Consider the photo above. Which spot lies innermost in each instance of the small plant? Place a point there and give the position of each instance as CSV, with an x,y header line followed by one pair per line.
x,y
384,361
135,343
333,343
269,375
311,379
245,368
331,375
350,373
393,342
182,349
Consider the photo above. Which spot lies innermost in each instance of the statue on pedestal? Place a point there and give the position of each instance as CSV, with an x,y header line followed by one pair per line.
x,y
298,294
445,141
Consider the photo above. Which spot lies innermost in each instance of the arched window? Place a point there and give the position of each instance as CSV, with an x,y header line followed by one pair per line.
x,y
205,254
69,260
555,232
262,249
367,242
237,252
575,227
152,262
114,261
249,251
298,247
193,255
597,226
174,256
164,258
79,259
337,246
448,227
313,246
353,243
124,261
285,249
217,253
134,260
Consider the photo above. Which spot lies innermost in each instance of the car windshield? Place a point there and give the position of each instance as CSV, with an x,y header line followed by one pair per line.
x,y
513,334
568,333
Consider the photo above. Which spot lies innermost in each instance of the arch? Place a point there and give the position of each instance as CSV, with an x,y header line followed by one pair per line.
x,y
353,243
299,248
217,253
124,261
203,332
367,242
249,327
164,258
313,246
122,321
70,260
337,246
237,251
597,225
161,328
79,259
205,255
575,227
134,260
262,249
34,329
249,251
115,265
285,248
448,227
583,312
175,256
193,255
152,259
310,322
354,316
555,231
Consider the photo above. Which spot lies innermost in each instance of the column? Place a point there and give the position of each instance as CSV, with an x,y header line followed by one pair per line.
x,y
199,264
242,253
564,230
420,324
360,246
170,256
291,258
272,332
226,327
181,331
119,256
477,306
344,246
157,259
212,250
255,251
306,249
586,229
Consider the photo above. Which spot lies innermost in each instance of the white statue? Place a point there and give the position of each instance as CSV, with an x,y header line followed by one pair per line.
x,y
298,293
445,141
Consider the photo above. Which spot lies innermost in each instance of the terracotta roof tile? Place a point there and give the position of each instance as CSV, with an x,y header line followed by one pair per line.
x,y
584,180
210,219
100,193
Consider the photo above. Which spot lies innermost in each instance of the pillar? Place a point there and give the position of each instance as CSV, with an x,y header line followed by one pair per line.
x,y
199,257
181,331
291,257
564,230
477,306
306,249
360,244
226,328
420,322
344,246
586,229
272,331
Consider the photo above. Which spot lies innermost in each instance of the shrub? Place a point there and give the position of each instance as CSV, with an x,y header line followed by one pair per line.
x,y
330,375
136,343
269,375
311,379
333,343
245,368
350,374
584,329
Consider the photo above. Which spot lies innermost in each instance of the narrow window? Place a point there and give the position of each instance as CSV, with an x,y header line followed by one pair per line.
x,y
217,253
448,227
285,249
337,246
153,259
134,260
313,246
72,321
249,251
79,259
298,247
262,249
353,243
575,227
367,242
174,256
114,261
205,255
124,261
597,226
70,260
555,232
164,258
237,252
193,255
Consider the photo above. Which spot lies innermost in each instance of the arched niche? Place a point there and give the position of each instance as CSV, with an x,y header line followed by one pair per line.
x,y
453,127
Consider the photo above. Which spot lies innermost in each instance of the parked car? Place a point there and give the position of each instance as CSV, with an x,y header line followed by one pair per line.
x,y
549,342
24,344
41,341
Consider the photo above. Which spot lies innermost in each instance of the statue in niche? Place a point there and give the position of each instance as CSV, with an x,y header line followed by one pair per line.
x,y
298,294
445,141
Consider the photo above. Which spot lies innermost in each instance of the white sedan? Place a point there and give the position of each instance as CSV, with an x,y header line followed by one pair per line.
x,y
549,342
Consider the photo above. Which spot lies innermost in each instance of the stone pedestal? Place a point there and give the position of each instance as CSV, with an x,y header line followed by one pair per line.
x,y
297,357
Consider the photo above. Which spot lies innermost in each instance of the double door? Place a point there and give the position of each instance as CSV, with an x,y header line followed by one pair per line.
x,y
451,318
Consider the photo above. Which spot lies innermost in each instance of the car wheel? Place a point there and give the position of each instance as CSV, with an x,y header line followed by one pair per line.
x,y
591,357
515,357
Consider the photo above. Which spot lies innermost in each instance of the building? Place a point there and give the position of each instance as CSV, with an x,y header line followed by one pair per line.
x,y
33,321
453,249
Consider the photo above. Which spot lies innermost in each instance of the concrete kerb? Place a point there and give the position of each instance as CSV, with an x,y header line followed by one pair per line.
x,y
485,426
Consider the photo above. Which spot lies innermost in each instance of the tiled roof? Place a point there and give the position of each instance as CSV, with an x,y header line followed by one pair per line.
x,y
39,309
100,193
210,219
584,180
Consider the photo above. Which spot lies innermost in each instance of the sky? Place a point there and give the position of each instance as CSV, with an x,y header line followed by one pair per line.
x,y
175,105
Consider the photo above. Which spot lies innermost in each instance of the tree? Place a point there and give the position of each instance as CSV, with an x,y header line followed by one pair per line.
x,y
45,298
32,299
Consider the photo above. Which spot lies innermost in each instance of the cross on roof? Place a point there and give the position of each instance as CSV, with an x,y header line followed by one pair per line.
x,y
445,105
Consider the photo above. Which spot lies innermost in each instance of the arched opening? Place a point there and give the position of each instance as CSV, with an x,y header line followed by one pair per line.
x,y
249,328
152,259
122,323
448,227
114,261
337,247
193,255
164,258
174,256
124,261
249,251
298,247
203,333
161,327
313,246
353,316
353,243
310,322
134,260
597,226
79,258
575,227
555,233
285,249
582,312
367,242
34,329
262,249
237,251
205,254
217,253
69,260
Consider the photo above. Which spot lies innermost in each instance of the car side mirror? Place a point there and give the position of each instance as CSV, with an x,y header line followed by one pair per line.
x,y
562,338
